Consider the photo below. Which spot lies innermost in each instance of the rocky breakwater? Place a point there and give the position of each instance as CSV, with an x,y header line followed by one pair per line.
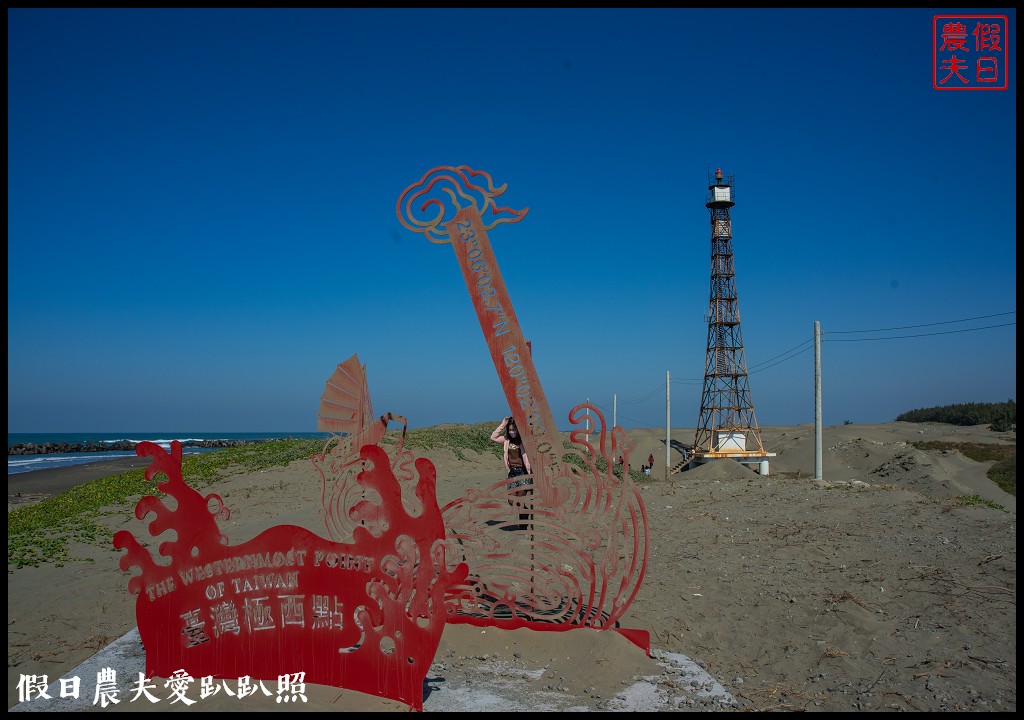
x,y
51,448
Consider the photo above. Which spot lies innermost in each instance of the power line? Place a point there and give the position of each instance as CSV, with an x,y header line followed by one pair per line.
x,y
805,342
900,337
762,366
641,423
751,372
645,425
908,327
648,396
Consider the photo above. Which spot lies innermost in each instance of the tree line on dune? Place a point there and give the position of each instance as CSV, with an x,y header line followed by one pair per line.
x,y
1000,417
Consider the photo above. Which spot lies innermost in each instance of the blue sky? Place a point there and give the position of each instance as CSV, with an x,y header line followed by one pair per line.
x,y
202,223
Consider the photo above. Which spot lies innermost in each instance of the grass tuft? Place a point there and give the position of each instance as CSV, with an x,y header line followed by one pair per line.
x,y
978,500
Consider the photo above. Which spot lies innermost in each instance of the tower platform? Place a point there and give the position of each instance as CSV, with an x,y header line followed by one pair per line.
x,y
756,461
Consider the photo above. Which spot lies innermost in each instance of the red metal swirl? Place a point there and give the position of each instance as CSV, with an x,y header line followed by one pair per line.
x,y
426,206
574,564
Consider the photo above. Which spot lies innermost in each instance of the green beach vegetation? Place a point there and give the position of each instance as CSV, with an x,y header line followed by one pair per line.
x,y
41,532
978,500
456,438
1001,417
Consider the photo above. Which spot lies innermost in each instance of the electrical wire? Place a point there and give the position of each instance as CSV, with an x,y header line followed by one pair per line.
x,y
762,369
787,356
901,337
909,327
805,342
648,396
618,415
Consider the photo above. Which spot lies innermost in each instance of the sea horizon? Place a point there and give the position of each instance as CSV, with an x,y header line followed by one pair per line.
x,y
28,463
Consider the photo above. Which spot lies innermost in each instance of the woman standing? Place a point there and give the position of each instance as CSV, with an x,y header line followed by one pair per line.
x,y
516,462
517,465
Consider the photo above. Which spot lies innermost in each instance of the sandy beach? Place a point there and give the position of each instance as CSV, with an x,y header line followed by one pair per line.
x,y
30,487
879,588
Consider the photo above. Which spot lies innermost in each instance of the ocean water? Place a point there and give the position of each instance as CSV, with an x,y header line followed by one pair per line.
x,y
28,463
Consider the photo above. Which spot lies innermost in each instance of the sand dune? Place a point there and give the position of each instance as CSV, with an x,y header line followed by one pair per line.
x,y
874,589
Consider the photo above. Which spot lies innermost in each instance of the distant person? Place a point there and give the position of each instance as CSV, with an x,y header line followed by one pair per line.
x,y
647,470
517,465
650,461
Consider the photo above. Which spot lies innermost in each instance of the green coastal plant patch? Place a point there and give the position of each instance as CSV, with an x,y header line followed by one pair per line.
x,y
40,533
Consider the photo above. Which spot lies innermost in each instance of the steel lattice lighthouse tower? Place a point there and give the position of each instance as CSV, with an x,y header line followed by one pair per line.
x,y
727,427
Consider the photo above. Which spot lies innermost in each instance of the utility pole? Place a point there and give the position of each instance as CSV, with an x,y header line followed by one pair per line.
x,y
817,400
615,409
668,421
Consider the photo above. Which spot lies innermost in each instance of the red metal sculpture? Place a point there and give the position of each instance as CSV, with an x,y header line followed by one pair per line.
x,y
580,558
365,609
366,614
346,412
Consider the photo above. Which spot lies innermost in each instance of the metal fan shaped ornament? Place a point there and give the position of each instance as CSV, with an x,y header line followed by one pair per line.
x,y
346,411
345,406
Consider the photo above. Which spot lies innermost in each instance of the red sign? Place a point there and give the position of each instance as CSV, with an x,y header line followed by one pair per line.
x,y
969,52
365,615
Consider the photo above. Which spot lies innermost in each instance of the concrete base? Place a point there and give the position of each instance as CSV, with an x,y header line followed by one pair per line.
x,y
467,690
758,464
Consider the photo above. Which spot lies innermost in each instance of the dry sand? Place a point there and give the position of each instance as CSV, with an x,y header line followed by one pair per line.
x,y
874,589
